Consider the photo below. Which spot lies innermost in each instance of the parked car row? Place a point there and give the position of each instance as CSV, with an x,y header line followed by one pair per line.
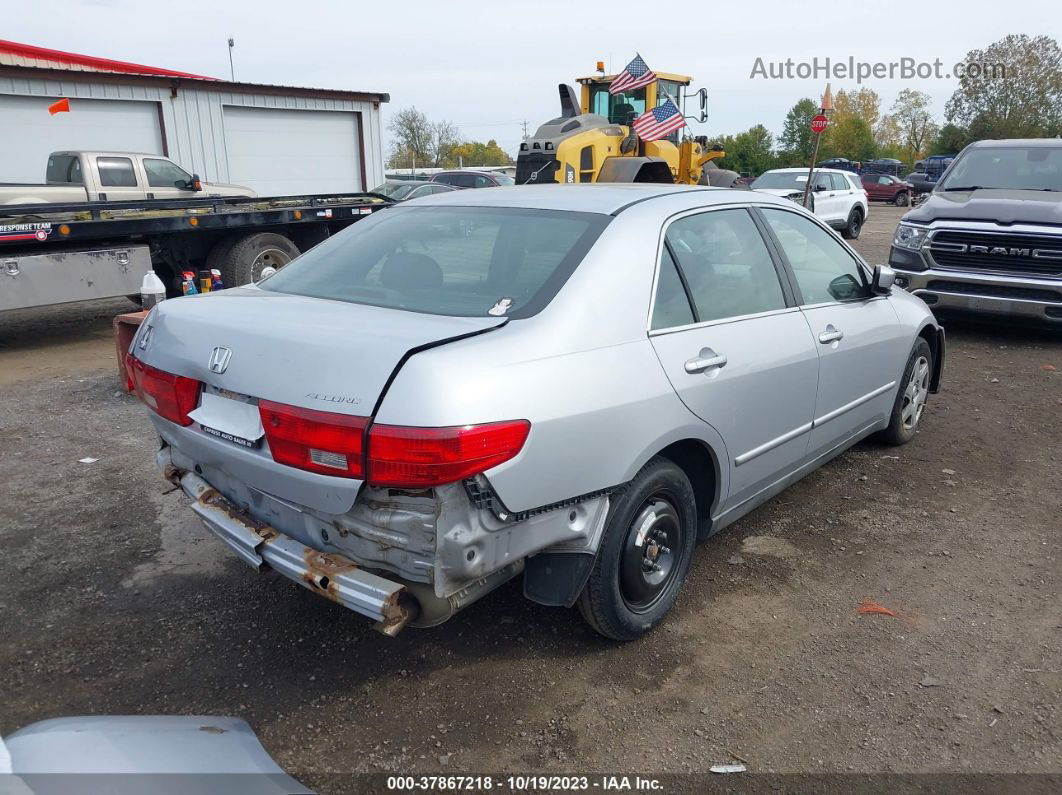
x,y
883,165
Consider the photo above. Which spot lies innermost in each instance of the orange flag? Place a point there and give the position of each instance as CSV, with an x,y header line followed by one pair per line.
x,y
62,106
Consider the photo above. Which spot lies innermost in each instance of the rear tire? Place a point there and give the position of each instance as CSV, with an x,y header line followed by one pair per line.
x,y
854,226
903,199
248,255
910,404
645,553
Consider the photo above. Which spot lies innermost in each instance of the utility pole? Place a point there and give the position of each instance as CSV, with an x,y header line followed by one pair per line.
x,y
232,69
525,129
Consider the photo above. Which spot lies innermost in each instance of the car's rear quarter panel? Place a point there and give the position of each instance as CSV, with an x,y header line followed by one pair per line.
x,y
582,371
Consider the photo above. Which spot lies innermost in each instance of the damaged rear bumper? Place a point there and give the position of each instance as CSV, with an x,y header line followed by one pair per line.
x,y
326,574
398,557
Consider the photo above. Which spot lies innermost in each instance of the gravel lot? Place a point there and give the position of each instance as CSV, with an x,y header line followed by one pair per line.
x,y
117,601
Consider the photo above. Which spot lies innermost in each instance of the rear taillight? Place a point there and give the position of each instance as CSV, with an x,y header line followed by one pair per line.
x,y
398,456
168,395
317,441
404,457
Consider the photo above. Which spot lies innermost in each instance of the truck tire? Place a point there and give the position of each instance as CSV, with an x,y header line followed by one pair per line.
x,y
220,253
645,553
902,199
248,255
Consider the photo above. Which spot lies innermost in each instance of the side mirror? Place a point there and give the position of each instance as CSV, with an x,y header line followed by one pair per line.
x,y
882,280
846,288
818,188
192,184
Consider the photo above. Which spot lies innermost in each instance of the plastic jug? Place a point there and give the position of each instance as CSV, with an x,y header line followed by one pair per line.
x,y
152,290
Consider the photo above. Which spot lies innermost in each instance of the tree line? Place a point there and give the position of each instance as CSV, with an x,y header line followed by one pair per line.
x,y
1024,103
418,142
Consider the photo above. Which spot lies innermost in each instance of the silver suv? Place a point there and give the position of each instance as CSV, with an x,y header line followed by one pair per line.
x,y
571,384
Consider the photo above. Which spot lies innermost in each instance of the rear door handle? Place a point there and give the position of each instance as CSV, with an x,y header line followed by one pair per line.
x,y
706,360
830,335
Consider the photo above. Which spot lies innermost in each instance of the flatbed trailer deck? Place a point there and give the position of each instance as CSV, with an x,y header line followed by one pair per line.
x,y
54,253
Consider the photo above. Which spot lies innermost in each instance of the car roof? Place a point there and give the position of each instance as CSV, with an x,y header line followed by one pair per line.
x,y
803,170
603,198
1007,142
102,153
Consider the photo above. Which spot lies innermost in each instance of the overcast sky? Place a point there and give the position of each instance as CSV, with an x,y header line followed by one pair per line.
x,y
488,65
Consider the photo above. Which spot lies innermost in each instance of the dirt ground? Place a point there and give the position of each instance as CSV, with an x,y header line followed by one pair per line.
x,y
115,600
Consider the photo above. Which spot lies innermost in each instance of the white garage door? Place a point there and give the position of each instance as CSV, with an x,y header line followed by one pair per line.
x,y
287,152
28,132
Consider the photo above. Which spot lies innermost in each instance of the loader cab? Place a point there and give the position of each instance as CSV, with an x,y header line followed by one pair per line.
x,y
626,106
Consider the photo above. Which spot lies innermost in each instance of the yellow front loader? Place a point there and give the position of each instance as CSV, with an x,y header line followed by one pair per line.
x,y
592,140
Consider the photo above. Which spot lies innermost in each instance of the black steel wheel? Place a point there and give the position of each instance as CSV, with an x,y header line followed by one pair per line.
x,y
647,566
644,555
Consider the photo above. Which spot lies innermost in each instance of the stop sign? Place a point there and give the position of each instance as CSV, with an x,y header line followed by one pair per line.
x,y
818,124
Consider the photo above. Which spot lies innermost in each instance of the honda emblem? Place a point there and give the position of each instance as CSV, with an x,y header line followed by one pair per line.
x,y
219,360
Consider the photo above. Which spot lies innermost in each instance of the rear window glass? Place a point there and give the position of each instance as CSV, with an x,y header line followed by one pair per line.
x,y
395,190
64,168
460,261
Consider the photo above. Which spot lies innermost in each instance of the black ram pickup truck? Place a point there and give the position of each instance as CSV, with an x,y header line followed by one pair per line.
x,y
989,237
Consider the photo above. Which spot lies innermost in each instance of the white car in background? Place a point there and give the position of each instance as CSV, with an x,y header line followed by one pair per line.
x,y
837,197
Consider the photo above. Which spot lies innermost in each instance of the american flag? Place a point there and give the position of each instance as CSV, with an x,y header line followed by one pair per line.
x,y
635,75
659,122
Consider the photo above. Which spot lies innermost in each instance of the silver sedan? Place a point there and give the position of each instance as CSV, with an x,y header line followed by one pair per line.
x,y
570,384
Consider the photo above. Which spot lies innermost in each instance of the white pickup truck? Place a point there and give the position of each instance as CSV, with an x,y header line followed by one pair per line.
x,y
73,177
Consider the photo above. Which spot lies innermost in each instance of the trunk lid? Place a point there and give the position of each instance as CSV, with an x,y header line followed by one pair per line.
x,y
313,353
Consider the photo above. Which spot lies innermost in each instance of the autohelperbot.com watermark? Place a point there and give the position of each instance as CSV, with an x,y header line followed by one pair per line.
x,y
852,69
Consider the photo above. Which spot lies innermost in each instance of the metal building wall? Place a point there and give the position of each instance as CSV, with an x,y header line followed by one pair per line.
x,y
191,113
194,126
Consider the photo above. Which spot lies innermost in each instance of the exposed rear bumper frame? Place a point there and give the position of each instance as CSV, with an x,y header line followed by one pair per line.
x,y
327,574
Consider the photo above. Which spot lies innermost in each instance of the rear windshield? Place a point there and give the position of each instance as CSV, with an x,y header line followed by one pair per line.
x,y
64,168
460,261
395,190
781,179
1008,167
